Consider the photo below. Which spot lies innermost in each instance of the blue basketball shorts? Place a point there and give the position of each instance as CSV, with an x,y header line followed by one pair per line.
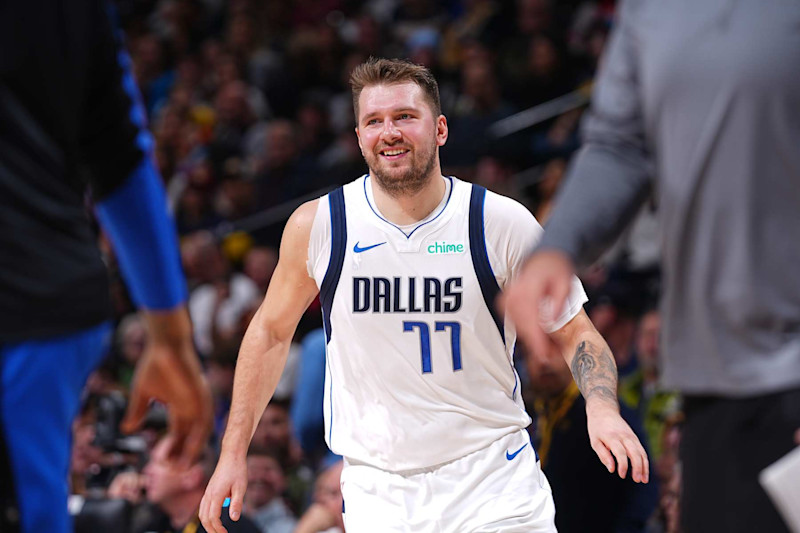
x,y
40,387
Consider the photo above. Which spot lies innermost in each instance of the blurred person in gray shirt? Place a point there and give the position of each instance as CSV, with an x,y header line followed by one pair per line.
x,y
698,103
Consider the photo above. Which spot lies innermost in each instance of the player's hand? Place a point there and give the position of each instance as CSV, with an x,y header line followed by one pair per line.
x,y
538,295
169,372
229,481
614,441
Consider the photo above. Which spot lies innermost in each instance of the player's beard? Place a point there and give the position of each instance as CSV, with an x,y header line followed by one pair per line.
x,y
409,181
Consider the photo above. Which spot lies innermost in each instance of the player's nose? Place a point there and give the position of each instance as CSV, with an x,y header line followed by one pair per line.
x,y
390,133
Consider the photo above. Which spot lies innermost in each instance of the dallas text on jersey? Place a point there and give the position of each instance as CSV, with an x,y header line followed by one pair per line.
x,y
406,295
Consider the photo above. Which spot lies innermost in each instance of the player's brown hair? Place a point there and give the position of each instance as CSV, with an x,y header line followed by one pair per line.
x,y
378,71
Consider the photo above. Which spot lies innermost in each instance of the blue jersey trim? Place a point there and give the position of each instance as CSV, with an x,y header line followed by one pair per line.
x,y
398,228
135,215
530,439
136,218
137,113
514,371
338,245
480,258
332,275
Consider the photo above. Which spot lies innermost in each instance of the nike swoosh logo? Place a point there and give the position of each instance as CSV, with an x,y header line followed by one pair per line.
x,y
358,250
510,456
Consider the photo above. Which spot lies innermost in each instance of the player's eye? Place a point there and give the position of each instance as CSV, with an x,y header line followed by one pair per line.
x,y
405,116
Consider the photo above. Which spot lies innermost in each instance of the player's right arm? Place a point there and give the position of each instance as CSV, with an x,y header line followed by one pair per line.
x,y
262,357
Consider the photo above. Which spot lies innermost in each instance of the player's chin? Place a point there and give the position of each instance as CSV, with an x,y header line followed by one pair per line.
x,y
395,163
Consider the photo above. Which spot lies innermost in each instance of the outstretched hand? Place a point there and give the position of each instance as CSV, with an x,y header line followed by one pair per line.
x,y
615,443
537,295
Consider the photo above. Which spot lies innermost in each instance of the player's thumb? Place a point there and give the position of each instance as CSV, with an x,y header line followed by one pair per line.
x,y
237,497
137,409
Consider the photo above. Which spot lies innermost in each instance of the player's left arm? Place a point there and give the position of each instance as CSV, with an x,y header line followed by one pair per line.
x,y
592,365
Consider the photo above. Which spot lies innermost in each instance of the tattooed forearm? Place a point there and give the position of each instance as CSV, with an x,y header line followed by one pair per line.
x,y
594,372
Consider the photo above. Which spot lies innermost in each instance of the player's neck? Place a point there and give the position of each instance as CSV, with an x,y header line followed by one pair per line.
x,y
413,207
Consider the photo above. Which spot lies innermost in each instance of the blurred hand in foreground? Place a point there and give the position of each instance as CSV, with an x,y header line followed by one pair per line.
x,y
535,296
169,372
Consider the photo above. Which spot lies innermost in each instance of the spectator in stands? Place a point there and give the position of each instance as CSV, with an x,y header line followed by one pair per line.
x,y
131,338
284,173
235,107
217,305
306,410
85,456
478,105
641,390
236,197
264,499
150,69
614,310
599,502
274,431
219,374
558,138
195,208
314,134
495,174
534,16
668,470
176,495
546,187
325,514
127,485
259,264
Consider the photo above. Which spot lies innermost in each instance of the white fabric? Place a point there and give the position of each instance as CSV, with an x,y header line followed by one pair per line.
x,y
482,492
380,407
244,295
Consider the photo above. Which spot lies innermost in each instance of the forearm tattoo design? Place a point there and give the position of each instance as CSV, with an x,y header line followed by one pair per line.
x,y
594,372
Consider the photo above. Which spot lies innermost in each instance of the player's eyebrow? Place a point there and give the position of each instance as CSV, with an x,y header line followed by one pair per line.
x,y
396,110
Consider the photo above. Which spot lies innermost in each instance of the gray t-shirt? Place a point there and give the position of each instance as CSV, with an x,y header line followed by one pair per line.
x,y
704,97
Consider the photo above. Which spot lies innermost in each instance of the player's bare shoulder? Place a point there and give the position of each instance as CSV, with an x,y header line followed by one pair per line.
x,y
302,219
297,233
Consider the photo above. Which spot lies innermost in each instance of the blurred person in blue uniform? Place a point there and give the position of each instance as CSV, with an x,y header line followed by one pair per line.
x,y
70,121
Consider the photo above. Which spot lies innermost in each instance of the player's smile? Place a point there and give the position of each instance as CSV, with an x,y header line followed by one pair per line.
x,y
394,153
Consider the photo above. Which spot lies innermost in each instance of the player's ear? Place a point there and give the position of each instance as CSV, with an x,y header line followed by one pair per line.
x,y
441,130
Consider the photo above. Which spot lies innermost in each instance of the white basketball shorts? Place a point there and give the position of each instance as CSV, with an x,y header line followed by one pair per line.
x,y
500,488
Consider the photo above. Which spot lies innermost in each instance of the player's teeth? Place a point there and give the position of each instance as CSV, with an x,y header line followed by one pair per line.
x,y
393,152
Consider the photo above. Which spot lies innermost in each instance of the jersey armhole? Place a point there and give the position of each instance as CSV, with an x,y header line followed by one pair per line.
x,y
319,242
338,242
480,257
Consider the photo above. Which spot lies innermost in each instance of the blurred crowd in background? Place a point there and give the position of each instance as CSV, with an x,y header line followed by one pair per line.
x,y
251,112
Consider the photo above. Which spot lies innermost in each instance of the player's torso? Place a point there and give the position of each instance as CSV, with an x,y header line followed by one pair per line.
x,y
417,363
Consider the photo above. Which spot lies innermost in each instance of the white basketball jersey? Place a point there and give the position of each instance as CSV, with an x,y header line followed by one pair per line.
x,y
419,363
